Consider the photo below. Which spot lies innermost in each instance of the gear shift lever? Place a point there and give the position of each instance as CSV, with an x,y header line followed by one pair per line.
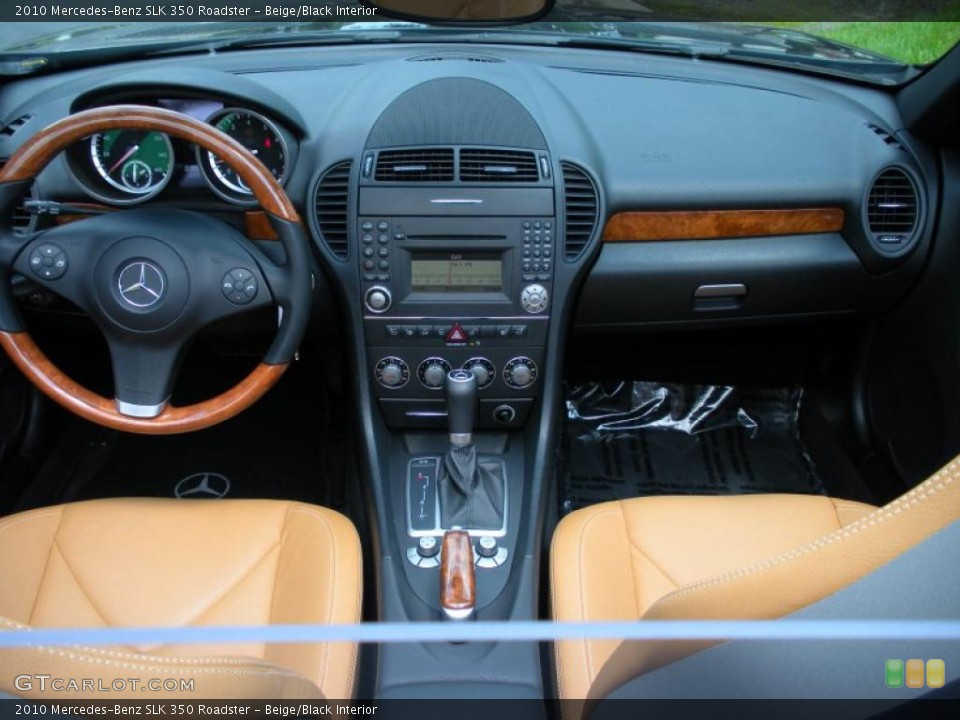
x,y
471,492
461,390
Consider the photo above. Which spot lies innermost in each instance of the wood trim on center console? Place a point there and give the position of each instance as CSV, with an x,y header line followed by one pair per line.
x,y
715,224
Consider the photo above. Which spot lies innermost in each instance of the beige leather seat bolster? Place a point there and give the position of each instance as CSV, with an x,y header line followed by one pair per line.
x,y
613,561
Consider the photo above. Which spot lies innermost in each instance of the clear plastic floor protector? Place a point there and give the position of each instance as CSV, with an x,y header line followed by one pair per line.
x,y
632,439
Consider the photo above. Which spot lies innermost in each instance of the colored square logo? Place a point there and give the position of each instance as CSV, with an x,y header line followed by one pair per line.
x,y
915,673
936,673
894,673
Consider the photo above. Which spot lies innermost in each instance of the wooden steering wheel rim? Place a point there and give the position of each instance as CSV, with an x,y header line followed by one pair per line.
x,y
27,163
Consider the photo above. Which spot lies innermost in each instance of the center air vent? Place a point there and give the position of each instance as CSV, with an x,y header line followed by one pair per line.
x,y
580,204
892,210
427,165
331,209
483,165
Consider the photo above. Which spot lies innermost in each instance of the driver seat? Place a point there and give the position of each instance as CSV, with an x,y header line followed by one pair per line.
x,y
179,563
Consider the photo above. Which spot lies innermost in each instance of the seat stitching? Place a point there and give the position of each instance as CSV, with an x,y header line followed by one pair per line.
x,y
46,565
76,581
636,550
233,586
276,572
918,495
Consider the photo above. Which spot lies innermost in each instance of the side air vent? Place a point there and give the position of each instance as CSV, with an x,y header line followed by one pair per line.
x,y
465,57
580,207
331,208
885,136
22,220
483,165
10,129
428,165
893,209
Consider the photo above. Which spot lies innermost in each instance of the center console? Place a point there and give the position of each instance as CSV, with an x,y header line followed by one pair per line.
x,y
456,278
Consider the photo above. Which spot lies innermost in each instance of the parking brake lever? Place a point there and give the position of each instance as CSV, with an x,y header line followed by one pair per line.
x,y
458,580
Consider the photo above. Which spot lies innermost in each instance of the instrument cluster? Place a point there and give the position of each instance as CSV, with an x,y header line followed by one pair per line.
x,y
127,166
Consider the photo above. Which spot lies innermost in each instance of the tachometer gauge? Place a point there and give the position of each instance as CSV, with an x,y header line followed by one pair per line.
x,y
258,135
138,163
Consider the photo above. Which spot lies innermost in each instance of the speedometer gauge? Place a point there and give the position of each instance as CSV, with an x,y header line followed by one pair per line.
x,y
258,135
138,163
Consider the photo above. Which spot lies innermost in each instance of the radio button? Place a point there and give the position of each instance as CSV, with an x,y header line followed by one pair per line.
x,y
383,238
383,226
367,226
377,299
368,265
534,298
368,252
382,252
367,239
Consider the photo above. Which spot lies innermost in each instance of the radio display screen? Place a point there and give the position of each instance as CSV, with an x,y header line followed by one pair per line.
x,y
456,272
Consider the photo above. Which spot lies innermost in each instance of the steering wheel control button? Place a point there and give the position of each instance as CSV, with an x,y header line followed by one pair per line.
x,y
482,369
504,414
240,286
48,261
392,372
432,372
534,298
377,299
141,284
520,373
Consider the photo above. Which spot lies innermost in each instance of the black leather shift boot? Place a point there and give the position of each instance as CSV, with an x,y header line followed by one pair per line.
x,y
471,492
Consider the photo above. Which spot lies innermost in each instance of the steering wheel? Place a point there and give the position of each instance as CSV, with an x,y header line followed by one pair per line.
x,y
151,278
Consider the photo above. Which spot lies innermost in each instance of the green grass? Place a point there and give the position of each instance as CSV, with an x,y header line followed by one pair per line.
x,y
908,42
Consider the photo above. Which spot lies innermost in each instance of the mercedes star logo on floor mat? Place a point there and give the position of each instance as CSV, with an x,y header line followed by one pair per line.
x,y
202,485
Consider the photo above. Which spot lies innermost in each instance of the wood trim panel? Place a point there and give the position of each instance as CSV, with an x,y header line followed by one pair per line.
x,y
74,397
715,224
458,579
257,226
40,149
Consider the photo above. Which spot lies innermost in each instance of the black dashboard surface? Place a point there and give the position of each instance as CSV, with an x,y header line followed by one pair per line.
x,y
656,134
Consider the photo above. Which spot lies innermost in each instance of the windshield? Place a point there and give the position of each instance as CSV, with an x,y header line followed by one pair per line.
x,y
883,52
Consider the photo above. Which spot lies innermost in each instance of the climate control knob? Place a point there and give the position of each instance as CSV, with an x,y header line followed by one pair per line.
x,y
482,369
377,299
392,372
519,373
432,372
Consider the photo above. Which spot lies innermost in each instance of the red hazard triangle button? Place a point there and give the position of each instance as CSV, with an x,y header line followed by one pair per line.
x,y
456,334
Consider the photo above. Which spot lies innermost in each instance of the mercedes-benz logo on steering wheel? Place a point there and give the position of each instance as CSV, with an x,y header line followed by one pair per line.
x,y
141,284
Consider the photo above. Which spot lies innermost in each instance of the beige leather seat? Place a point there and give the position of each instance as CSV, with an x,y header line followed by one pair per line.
x,y
176,563
734,557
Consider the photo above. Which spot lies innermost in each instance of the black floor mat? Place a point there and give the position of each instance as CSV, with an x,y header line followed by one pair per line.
x,y
269,451
638,438
282,447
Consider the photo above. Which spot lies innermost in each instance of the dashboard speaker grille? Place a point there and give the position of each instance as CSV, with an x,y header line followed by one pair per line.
x,y
426,165
580,203
892,205
486,165
331,209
